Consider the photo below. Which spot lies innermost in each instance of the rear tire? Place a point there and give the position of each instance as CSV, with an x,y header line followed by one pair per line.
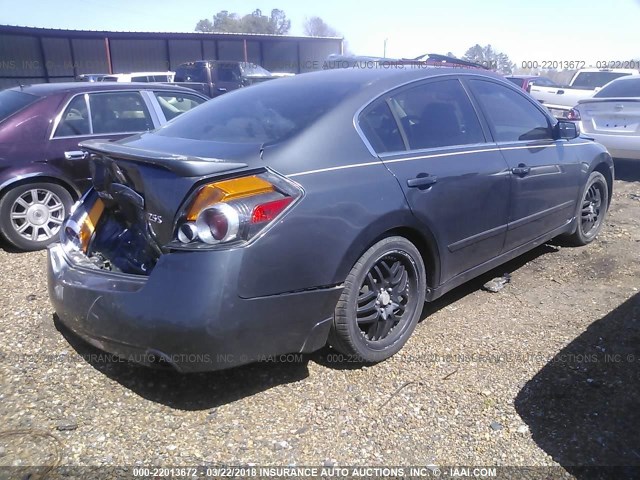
x,y
32,214
381,302
591,211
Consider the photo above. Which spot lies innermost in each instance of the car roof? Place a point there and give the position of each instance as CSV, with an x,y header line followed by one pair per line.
x,y
44,89
630,71
374,81
526,77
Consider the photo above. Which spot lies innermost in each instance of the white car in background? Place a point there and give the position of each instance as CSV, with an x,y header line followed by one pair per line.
x,y
139,77
612,117
587,81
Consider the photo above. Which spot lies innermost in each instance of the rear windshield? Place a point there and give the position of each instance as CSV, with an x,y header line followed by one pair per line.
x,y
593,80
622,88
196,72
12,101
518,81
267,113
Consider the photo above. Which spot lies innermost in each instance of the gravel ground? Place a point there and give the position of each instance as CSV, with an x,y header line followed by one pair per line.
x,y
542,373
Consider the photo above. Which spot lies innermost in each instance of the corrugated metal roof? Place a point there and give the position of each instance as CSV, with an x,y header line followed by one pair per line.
x,y
105,33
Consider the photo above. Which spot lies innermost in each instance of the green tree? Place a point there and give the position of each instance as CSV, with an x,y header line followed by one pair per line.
x,y
255,22
279,22
489,57
205,25
317,27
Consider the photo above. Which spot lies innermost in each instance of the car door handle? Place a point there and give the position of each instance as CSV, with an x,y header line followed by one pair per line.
x,y
75,155
521,169
222,89
422,181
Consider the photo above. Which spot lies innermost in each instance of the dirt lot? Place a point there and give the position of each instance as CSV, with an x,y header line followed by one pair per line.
x,y
544,372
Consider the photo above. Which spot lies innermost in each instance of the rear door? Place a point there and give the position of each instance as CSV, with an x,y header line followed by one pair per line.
x,y
455,181
544,172
111,115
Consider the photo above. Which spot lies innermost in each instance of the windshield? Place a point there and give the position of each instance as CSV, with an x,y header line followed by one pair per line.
x,y
12,101
622,88
593,80
268,113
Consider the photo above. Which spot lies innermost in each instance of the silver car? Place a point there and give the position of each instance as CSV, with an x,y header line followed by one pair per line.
x,y
612,117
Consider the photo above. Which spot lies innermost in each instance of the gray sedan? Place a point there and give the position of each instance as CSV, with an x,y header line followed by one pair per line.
x,y
321,208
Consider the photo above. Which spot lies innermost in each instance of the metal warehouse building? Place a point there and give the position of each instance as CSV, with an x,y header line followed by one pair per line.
x,y
36,55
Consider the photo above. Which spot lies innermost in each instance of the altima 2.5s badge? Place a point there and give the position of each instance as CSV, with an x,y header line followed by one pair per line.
x,y
322,208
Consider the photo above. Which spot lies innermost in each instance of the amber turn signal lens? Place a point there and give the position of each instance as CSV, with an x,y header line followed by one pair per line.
x,y
227,190
89,225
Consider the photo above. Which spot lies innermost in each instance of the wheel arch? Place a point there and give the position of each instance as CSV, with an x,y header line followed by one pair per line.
x,y
420,236
40,177
604,168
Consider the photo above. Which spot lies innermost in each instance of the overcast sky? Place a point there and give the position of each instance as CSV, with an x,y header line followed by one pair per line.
x,y
525,30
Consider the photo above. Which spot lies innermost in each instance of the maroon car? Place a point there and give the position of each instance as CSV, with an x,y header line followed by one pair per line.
x,y
42,169
525,82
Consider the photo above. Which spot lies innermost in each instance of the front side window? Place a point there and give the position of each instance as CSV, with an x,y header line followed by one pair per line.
x,y
228,73
173,104
512,116
119,112
381,129
437,114
75,119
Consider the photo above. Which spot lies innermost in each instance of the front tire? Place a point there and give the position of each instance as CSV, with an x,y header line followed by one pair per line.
x,y
381,302
32,214
592,210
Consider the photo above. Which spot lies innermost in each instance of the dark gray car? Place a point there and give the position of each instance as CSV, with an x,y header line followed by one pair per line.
x,y
320,208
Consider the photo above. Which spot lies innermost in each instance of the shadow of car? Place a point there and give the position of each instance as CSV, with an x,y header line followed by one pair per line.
x,y
582,407
42,169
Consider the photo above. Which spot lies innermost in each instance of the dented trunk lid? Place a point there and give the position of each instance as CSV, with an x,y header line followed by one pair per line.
x,y
143,181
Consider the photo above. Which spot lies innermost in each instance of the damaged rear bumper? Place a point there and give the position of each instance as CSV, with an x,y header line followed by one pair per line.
x,y
187,312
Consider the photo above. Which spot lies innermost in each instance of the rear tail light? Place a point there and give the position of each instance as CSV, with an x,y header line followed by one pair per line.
x,y
573,115
234,211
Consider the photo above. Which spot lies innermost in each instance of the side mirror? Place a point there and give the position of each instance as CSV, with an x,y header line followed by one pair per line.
x,y
565,130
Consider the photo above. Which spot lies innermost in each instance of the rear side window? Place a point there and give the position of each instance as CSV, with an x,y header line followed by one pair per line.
x,y
381,129
621,89
75,119
119,112
12,101
140,79
437,114
512,117
173,104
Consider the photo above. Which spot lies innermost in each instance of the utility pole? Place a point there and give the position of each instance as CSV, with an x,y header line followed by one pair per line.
x,y
384,55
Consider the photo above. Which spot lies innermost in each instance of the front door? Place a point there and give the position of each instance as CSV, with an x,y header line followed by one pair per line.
x,y
544,171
